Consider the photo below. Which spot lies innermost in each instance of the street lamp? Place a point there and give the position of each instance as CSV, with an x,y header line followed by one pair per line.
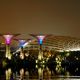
x,y
40,41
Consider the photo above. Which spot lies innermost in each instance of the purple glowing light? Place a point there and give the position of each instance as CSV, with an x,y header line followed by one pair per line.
x,y
40,39
22,42
8,38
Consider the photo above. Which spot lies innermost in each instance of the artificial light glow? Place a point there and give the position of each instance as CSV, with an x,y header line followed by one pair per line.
x,y
24,45
18,50
73,49
8,38
36,66
4,63
67,54
40,41
22,55
22,42
40,55
40,71
26,54
27,43
59,69
8,54
43,61
36,61
8,74
27,73
61,50
22,71
40,38
67,50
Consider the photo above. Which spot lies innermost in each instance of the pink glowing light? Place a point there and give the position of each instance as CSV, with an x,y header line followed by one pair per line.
x,y
40,39
8,38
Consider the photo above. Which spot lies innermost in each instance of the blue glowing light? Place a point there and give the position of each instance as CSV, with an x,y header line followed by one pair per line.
x,y
22,42
40,39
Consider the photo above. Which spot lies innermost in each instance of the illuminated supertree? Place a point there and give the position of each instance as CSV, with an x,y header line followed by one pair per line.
x,y
22,42
8,38
40,39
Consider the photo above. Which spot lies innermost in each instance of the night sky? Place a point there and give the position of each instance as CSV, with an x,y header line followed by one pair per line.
x,y
58,17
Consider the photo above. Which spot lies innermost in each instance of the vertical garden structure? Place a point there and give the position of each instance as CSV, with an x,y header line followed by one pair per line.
x,y
8,38
21,44
40,39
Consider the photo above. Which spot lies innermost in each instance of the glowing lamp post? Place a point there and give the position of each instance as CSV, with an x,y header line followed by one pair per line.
x,y
40,39
8,41
21,43
8,38
40,72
